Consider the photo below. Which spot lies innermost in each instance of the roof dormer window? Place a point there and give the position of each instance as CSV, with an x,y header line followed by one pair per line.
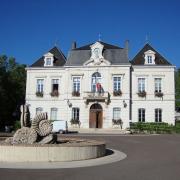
x,y
48,62
48,59
149,57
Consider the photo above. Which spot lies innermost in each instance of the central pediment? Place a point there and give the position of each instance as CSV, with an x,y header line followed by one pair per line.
x,y
97,56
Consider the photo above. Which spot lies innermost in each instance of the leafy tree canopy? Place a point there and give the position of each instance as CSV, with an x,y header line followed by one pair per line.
x,y
12,89
177,85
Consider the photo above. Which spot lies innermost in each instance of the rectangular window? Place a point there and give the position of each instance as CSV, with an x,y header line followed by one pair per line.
x,y
141,115
93,84
75,113
40,84
53,115
158,83
141,84
158,115
55,85
39,110
149,59
116,83
116,113
48,61
76,84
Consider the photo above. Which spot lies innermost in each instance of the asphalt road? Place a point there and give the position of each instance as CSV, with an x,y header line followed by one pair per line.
x,y
155,157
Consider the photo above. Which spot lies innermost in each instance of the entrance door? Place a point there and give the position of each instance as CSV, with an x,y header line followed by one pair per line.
x,y
95,116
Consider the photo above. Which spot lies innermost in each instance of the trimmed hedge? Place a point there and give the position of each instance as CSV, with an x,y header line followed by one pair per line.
x,y
177,126
154,127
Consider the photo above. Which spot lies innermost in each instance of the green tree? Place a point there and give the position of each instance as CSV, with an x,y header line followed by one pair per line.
x,y
177,85
12,89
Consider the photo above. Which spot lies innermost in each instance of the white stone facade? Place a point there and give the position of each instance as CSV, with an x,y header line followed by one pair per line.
x,y
151,102
128,103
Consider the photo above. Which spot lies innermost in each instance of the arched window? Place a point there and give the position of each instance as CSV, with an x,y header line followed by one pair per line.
x,y
96,78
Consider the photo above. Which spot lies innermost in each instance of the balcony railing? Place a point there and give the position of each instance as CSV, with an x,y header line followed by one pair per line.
x,y
97,96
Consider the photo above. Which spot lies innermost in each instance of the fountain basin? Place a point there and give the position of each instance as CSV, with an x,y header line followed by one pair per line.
x,y
68,149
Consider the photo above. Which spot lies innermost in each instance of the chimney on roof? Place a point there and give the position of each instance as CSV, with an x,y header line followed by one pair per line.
x,y
73,45
126,47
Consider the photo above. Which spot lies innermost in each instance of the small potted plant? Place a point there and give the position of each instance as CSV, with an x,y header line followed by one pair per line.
x,y
158,94
54,93
117,93
118,122
142,93
75,122
76,93
39,94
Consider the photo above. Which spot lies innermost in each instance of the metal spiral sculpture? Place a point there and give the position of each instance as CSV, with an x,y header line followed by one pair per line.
x,y
39,131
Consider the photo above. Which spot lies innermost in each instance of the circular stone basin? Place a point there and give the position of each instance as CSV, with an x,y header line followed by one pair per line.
x,y
67,149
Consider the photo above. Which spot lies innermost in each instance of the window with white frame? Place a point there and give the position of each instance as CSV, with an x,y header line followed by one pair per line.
x,y
48,61
158,115
40,85
55,85
141,84
76,84
158,84
75,114
149,58
116,113
95,79
116,83
39,110
53,115
141,115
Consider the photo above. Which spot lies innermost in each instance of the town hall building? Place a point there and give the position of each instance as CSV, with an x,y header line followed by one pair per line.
x,y
98,86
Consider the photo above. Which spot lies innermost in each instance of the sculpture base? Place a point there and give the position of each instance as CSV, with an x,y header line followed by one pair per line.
x,y
68,149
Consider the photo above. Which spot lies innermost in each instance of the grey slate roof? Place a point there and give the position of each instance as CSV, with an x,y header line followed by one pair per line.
x,y
106,46
114,54
59,58
139,58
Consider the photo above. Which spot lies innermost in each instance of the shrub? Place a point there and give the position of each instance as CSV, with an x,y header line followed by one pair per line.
x,y
177,126
153,127
17,125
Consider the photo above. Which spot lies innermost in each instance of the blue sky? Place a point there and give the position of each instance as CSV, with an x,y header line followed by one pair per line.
x,y
29,28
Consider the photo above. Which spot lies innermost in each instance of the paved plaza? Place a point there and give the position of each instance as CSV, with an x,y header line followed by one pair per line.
x,y
154,157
